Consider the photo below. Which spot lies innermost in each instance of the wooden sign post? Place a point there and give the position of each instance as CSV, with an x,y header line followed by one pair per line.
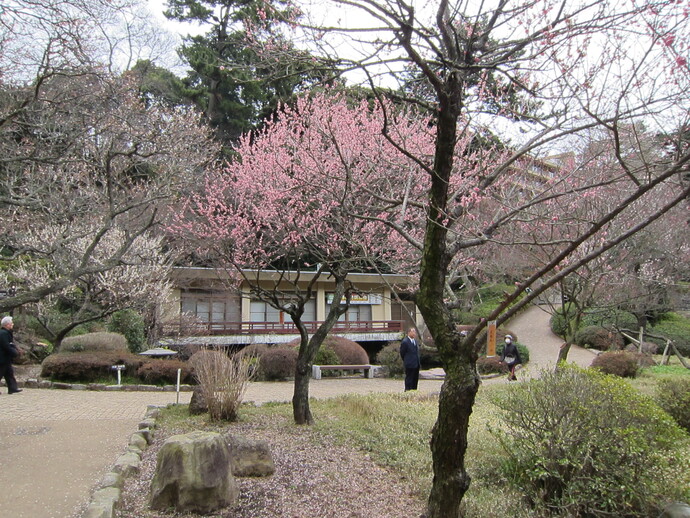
x,y
491,338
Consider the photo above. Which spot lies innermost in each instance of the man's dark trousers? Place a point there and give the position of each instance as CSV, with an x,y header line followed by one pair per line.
x,y
411,378
7,372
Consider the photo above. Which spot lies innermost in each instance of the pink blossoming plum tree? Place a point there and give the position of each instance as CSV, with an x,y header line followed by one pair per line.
x,y
304,199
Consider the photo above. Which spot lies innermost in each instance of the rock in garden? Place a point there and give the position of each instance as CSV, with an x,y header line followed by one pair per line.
x,y
250,458
676,510
193,473
197,404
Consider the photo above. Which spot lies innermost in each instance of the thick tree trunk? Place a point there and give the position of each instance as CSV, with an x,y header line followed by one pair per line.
x,y
449,437
301,411
449,443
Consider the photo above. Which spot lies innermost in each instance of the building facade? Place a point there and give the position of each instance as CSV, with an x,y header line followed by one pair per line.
x,y
208,306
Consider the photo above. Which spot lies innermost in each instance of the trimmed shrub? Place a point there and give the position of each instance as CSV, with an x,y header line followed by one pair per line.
x,y
429,356
327,356
130,324
648,348
645,360
673,395
200,355
93,342
600,338
278,363
676,328
582,444
609,318
389,357
349,352
346,351
185,351
491,365
254,350
164,372
618,363
88,367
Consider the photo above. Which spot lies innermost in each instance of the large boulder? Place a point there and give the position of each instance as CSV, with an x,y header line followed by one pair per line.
x,y
250,458
193,474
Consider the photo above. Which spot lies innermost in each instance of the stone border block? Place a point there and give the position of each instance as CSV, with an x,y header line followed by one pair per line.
x,y
105,500
127,464
103,503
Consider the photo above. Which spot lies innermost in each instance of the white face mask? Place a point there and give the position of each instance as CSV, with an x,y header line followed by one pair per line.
x,y
507,340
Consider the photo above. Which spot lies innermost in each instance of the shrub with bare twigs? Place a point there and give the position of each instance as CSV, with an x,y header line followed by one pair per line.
x,y
223,381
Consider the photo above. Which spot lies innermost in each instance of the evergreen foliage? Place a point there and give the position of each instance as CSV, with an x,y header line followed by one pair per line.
x,y
580,443
130,324
673,395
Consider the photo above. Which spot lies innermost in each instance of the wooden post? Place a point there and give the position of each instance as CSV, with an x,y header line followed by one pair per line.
x,y
666,356
641,339
491,339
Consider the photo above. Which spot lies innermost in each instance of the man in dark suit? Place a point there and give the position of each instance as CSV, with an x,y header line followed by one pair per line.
x,y
8,352
409,352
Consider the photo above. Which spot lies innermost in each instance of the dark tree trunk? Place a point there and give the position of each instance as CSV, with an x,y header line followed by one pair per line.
x,y
449,442
301,411
449,437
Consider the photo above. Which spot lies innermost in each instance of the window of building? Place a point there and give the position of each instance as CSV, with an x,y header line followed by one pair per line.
x,y
211,307
404,312
263,312
355,313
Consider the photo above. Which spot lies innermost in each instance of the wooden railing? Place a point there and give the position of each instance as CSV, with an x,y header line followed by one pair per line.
x,y
252,328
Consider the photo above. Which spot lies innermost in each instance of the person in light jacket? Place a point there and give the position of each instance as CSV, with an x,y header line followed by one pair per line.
x,y
409,352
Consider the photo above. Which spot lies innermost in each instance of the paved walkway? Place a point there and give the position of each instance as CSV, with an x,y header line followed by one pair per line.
x,y
533,330
55,445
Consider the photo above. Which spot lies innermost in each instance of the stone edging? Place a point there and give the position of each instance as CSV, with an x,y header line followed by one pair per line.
x,y
46,384
106,498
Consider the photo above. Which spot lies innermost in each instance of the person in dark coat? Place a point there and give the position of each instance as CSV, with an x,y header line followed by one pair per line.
x,y
511,357
409,352
8,352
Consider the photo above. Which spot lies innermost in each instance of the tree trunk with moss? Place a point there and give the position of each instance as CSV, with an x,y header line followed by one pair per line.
x,y
449,435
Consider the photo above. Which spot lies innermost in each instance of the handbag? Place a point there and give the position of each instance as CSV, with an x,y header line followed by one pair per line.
x,y
509,359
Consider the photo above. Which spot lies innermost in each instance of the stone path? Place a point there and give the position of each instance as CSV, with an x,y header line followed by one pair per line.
x,y
56,445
